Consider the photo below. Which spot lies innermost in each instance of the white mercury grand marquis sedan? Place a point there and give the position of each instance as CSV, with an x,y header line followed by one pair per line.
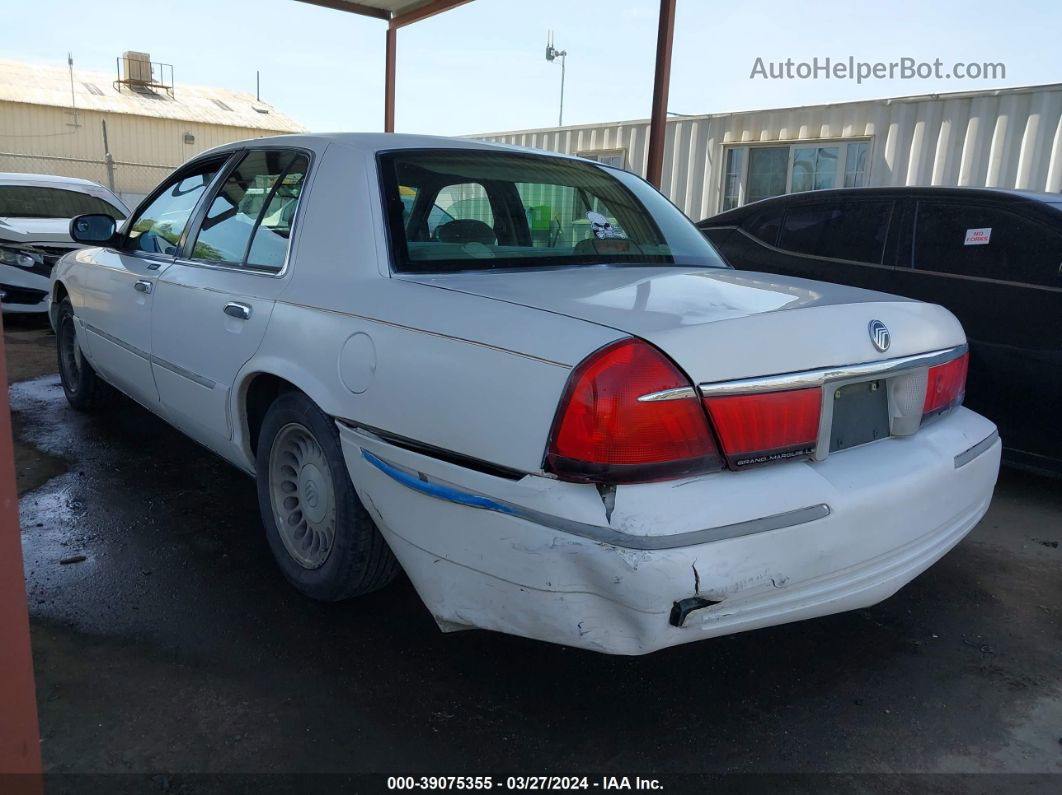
x,y
531,382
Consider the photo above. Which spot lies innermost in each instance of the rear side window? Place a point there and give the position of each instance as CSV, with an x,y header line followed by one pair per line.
x,y
984,241
850,230
764,225
249,218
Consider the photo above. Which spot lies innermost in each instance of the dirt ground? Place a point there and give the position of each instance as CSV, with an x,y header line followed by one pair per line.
x,y
173,646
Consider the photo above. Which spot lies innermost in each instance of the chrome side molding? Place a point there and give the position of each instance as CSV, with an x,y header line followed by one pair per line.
x,y
966,456
440,489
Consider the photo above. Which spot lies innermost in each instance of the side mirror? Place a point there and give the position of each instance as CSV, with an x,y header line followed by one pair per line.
x,y
96,228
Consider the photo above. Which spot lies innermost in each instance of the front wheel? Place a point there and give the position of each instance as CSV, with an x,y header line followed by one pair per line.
x,y
84,389
323,539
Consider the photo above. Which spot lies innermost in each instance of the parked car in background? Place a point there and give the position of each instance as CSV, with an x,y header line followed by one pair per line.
x,y
993,257
35,213
598,435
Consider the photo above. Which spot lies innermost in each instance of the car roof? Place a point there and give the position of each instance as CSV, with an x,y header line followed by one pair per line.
x,y
816,196
381,142
12,178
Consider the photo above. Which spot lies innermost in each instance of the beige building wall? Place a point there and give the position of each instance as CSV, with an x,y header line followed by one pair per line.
x,y
53,140
1009,138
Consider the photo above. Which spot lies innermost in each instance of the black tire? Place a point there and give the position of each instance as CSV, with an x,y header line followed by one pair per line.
x,y
84,389
358,560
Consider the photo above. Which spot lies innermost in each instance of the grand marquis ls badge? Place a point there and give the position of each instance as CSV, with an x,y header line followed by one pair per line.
x,y
879,335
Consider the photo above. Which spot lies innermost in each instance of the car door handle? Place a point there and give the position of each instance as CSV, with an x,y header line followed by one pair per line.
x,y
236,309
142,286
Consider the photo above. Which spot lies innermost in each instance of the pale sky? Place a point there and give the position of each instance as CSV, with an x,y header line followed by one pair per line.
x,y
481,67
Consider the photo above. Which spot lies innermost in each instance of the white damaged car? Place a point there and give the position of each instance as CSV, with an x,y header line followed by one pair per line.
x,y
35,213
529,381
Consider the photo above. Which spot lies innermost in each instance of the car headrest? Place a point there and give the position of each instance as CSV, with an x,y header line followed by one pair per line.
x,y
466,230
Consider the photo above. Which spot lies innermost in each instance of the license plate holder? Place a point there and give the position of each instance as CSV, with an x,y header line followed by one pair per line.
x,y
860,414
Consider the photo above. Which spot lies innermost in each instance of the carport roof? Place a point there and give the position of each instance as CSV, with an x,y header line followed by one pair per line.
x,y
387,9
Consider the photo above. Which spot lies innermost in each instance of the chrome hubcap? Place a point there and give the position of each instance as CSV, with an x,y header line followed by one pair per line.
x,y
302,497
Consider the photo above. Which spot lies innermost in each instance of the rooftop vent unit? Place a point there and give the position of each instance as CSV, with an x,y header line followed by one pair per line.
x,y
138,73
136,67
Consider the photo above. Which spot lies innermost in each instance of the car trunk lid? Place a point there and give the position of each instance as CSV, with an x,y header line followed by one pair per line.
x,y
721,324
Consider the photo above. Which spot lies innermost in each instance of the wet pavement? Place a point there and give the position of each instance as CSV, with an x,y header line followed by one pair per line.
x,y
175,645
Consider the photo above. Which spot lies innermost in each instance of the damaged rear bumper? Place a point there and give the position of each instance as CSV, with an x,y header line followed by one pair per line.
x,y
659,564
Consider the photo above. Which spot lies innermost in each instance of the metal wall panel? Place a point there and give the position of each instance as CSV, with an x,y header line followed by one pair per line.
x,y
51,140
1009,138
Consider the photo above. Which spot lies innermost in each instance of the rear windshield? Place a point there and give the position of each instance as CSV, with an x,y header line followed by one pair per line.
x,y
456,210
30,201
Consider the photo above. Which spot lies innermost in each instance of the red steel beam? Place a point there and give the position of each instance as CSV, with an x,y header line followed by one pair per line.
x,y
429,9
389,79
665,36
351,7
20,744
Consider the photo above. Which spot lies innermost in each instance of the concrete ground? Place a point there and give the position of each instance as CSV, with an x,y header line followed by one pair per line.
x,y
175,645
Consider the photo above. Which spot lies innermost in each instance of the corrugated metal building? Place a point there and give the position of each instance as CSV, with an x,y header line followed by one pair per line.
x,y
52,121
1008,138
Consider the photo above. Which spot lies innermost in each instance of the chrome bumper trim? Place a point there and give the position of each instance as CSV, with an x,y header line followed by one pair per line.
x,y
440,489
812,378
966,456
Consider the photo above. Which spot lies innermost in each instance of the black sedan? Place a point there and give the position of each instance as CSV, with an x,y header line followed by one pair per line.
x,y
993,257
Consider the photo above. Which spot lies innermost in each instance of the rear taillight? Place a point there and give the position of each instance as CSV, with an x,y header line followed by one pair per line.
x,y
604,433
767,426
946,385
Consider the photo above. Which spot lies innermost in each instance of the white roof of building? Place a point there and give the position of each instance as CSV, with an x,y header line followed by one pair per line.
x,y
41,84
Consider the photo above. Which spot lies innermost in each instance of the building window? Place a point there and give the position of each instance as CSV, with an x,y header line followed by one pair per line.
x,y
855,165
759,172
607,157
814,168
767,172
735,162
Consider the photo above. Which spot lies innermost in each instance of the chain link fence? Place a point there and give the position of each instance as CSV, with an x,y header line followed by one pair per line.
x,y
131,181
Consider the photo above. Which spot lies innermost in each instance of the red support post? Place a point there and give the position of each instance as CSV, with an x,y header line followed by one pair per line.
x,y
20,745
389,79
658,123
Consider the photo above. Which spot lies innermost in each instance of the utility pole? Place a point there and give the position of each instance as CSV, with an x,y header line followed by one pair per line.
x,y
73,98
552,53
107,159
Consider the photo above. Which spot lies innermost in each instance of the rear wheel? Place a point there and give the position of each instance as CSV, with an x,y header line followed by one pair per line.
x,y
322,537
84,389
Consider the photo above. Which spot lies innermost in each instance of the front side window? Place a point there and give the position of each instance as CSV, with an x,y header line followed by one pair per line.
x,y
158,227
31,201
452,210
984,241
849,230
249,219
